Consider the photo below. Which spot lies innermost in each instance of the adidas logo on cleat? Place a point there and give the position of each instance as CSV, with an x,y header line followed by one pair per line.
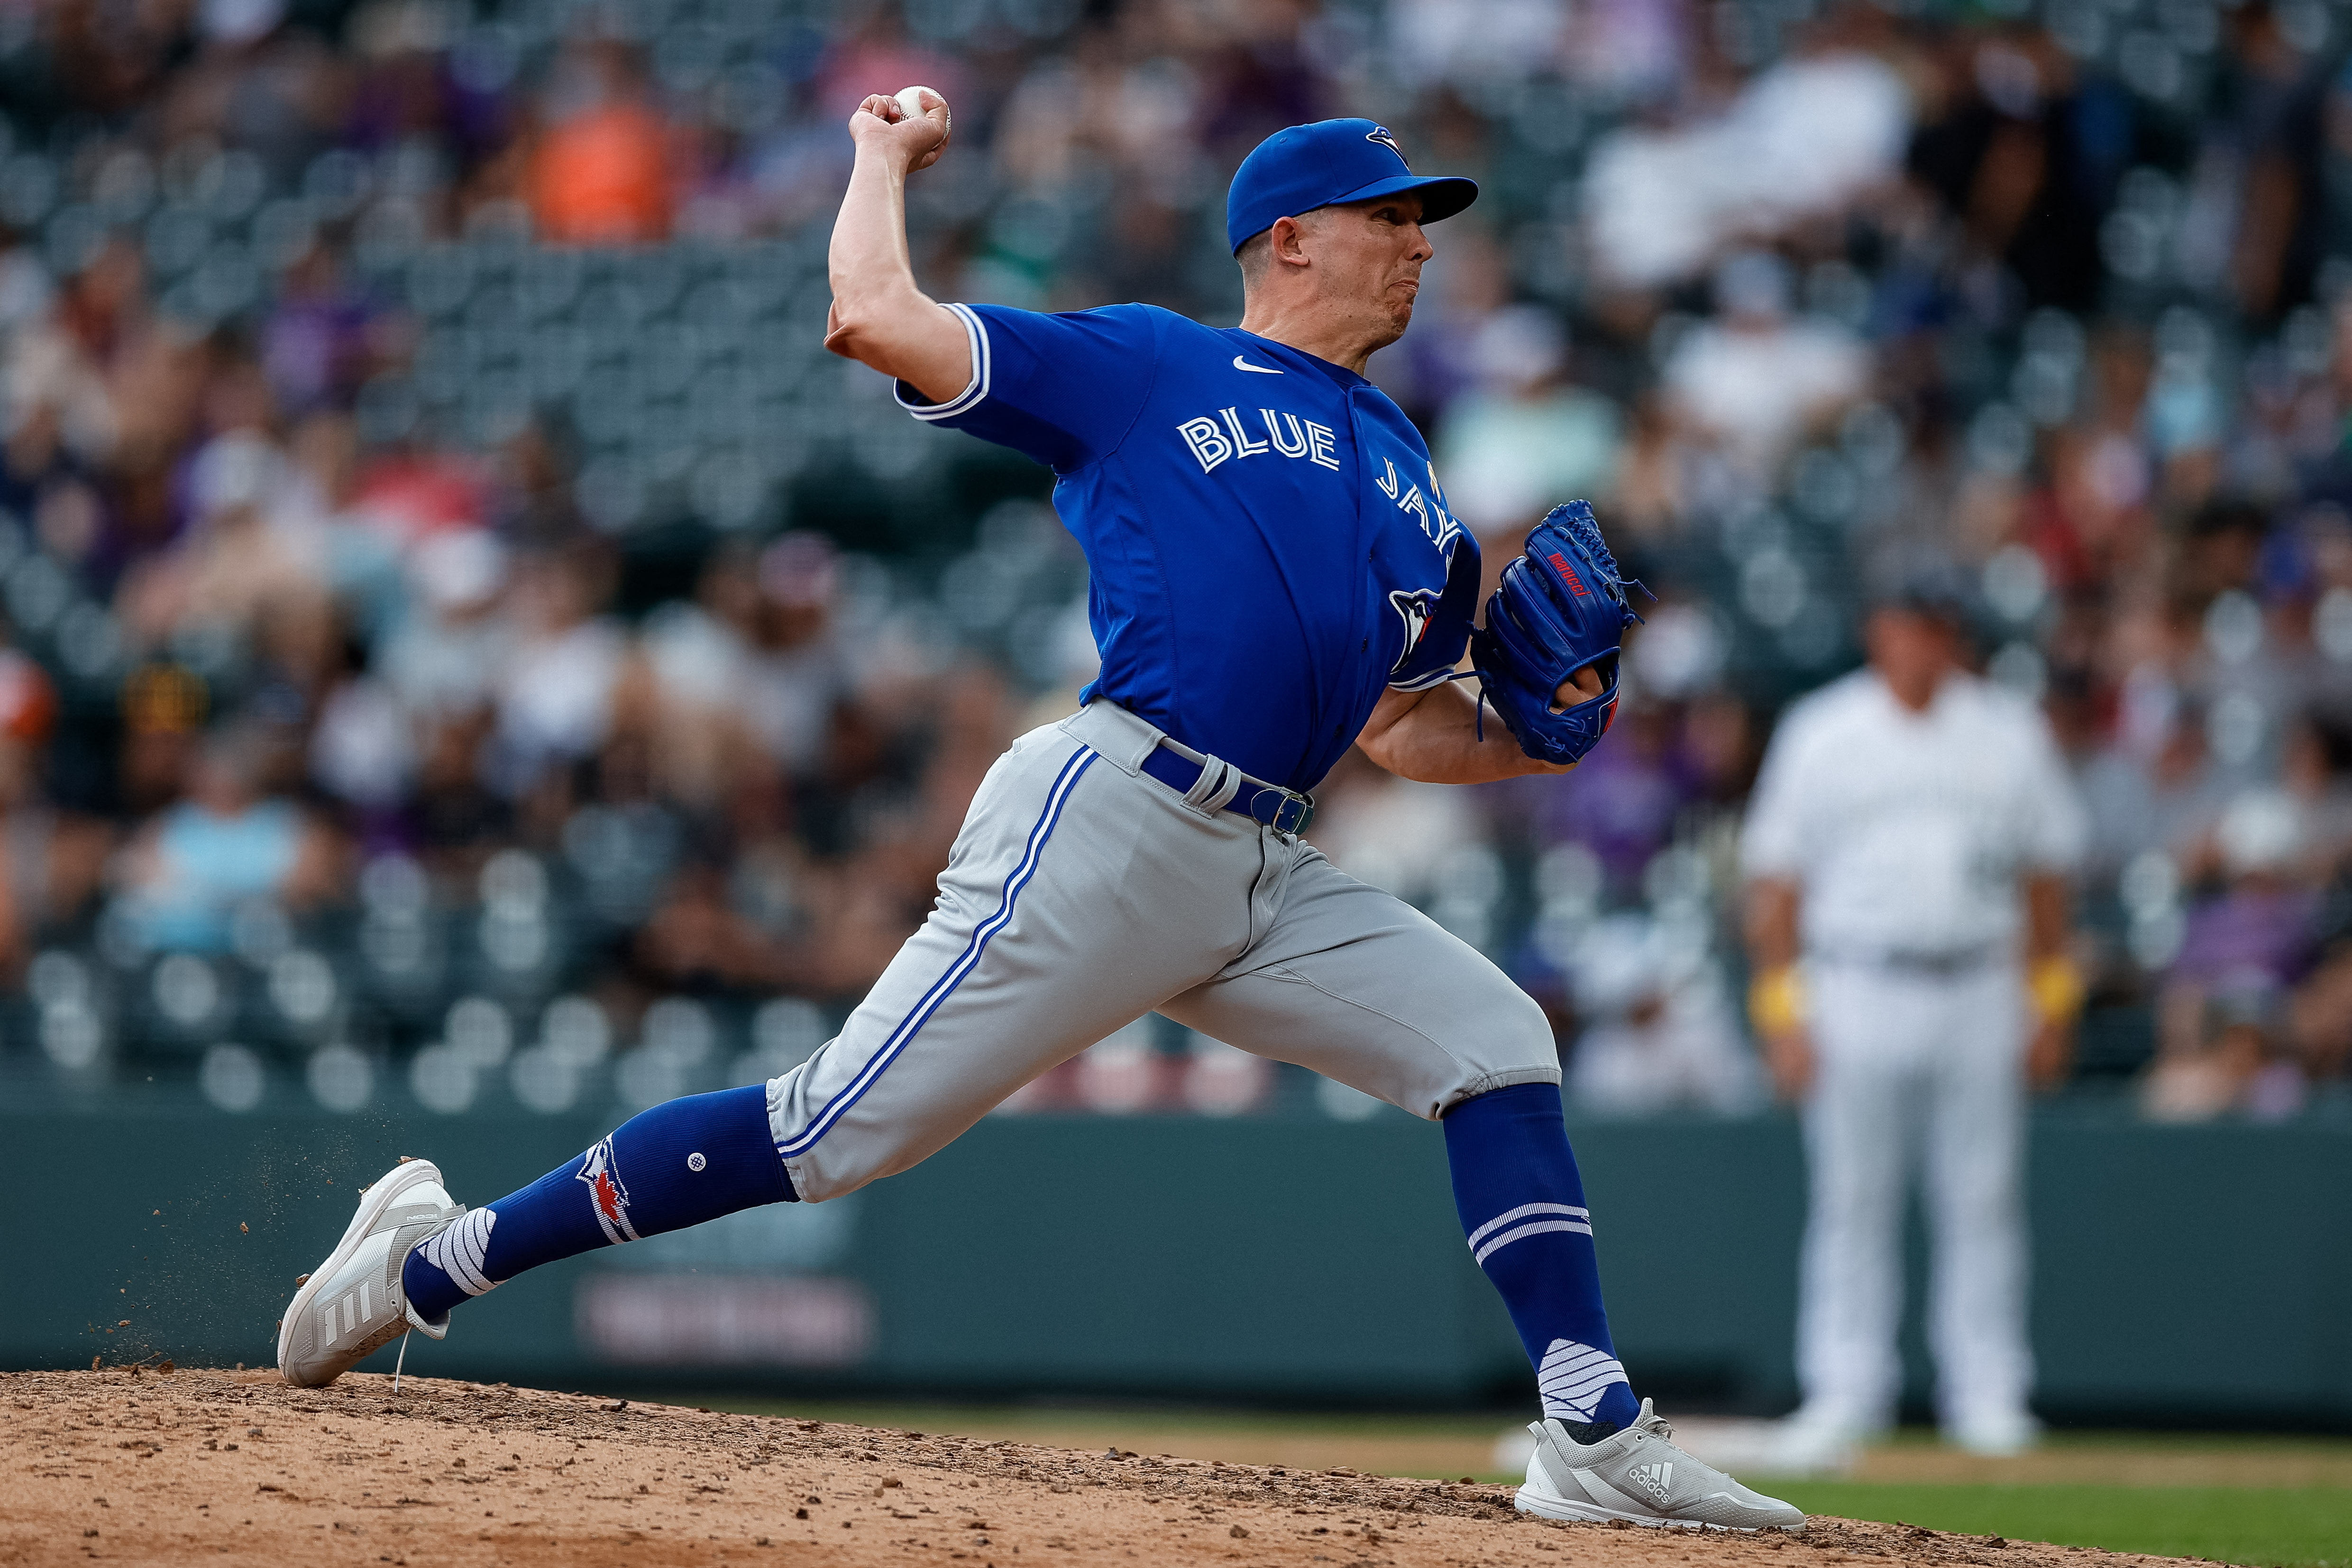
x,y
1655,1479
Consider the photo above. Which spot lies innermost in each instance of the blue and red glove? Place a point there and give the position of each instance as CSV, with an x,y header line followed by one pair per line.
x,y
1561,607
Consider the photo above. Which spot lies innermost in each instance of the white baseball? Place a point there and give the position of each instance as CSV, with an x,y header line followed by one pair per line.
x,y
910,102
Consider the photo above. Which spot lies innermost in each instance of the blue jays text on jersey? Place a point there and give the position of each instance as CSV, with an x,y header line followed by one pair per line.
x,y
1268,544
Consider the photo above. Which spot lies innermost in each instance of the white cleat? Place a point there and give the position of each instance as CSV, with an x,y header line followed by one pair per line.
x,y
1812,1442
2001,1434
1639,1476
352,1305
1795,1446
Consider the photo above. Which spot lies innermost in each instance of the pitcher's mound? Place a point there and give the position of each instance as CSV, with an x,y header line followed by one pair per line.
x,y
206,1467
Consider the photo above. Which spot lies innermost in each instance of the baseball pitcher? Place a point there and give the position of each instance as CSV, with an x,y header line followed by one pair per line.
x,y
1274,578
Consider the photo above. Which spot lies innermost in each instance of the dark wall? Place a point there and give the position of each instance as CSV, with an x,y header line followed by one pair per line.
x,y
2181,1274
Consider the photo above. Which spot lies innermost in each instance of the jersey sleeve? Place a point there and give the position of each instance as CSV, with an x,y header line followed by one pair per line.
x,y
1063,389
1431,657
1773,839
2056,829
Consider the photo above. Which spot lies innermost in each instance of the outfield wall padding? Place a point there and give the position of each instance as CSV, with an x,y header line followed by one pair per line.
x,y
2181,1274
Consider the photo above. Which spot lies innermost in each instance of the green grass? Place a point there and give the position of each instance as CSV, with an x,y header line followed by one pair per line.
x,y
2302,1527
2114,1489
1107,1417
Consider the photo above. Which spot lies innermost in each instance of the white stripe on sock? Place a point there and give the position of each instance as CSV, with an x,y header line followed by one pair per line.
x,y
1592,1362
1522,1212
461,1250
1573,1377
1579,1392
1538,1228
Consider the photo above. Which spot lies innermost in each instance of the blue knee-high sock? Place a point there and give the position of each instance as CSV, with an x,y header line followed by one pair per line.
x,y
1523,1209
677,1164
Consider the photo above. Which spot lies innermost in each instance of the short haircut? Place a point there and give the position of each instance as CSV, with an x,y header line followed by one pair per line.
x,y
1257,254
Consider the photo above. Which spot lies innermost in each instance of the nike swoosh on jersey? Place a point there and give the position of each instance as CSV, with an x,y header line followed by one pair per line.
x,y
1241,363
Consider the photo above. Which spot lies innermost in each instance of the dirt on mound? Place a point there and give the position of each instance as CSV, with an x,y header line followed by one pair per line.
x,y
194,1466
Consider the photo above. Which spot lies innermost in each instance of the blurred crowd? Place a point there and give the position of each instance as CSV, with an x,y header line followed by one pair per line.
x,y
463,631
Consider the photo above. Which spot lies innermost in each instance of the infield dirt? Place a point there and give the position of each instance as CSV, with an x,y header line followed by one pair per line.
x,y
194,1466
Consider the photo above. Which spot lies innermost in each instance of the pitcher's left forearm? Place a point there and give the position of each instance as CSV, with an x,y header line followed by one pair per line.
x,y
1433,736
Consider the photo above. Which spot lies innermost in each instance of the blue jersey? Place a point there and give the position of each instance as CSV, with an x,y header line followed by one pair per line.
x,y
1268,544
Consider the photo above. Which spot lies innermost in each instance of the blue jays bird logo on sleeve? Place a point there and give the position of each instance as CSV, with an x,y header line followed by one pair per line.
x,y
1414,606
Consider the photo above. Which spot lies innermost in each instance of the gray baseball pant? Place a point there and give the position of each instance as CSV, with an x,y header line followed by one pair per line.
x,y
1082,894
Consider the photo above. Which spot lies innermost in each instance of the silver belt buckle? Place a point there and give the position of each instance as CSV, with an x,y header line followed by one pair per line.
x,y
1290,812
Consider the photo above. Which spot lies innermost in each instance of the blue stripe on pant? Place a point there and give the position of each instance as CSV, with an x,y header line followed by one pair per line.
x,y
1014,881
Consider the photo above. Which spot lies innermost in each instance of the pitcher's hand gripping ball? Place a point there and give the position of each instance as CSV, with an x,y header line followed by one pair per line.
x,y
919,102
911,105
1561,607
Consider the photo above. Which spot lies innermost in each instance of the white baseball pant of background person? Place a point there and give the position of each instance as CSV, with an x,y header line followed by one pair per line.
x,y
1918,1073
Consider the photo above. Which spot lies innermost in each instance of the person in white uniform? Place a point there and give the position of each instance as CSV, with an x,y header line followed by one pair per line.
x,y
1906,852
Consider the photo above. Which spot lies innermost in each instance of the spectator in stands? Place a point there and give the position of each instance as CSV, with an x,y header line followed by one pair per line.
x,y
699,664
1625,807
1755,380
2263,156
602,174
227,843
1523,439
453,818
2223,1041
2259,926
1391,832
797,672
50,861
444,654
45,484
2233,1062
2167,800
2014,154
1660,1035
554,692
2319,1021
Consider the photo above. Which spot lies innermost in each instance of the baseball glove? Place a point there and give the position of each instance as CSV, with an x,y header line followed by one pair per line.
x,y
1561,607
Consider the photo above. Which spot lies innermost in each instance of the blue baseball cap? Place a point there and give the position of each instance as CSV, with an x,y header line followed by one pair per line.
x,y
1320,165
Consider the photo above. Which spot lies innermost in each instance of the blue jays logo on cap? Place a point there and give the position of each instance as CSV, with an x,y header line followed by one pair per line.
x,y
1325,164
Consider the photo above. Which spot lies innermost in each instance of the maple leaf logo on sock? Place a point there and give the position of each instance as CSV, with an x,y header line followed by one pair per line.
x,y
607,1195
